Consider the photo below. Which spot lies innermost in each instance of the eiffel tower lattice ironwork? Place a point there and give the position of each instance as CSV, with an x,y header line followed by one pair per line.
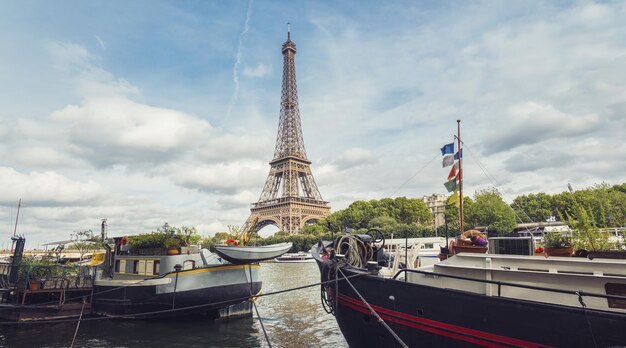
x,y
290,197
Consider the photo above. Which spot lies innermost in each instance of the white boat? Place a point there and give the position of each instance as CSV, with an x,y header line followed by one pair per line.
x,y
420,252
298,257
248,254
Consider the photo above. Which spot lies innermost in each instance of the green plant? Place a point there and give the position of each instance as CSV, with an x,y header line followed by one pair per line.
x,y
586,234
149,240
557,240
172,243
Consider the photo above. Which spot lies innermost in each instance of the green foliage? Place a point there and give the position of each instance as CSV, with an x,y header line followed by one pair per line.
x,y
148,240
586,234
83,242
604,204
360,214
184,236
452,214
301,242
535,207
557,240
172,243
490,210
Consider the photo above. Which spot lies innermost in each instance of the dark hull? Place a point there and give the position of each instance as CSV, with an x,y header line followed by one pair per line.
x,y
43,312
424,316
142,301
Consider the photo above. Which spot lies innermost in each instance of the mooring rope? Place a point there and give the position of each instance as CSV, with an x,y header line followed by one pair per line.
x,y
267,338
78,323
380,320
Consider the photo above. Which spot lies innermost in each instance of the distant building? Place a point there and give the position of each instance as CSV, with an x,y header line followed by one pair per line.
x,y
437,205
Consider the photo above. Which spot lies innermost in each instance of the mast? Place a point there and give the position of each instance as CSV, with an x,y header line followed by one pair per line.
x,y
17,216
458,138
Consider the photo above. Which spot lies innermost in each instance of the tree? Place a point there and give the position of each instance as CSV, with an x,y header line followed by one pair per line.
x,y
83,242
412,210
357,215
533,207
490,210
452,214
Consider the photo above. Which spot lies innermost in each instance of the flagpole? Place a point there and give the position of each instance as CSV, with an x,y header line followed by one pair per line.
x,y
458,138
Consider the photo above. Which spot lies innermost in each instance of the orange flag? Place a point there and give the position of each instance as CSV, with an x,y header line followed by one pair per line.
x,y
453,171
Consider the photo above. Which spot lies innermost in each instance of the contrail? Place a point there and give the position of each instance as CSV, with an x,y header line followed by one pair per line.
x,y
235,94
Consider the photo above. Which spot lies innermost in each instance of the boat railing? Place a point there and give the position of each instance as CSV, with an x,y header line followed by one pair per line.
x,y
500,284
48,277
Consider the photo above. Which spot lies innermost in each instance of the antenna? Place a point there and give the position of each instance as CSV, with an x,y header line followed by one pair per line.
x,y
288,31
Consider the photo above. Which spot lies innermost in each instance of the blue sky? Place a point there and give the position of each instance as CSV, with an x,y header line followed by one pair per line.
x,y
145,112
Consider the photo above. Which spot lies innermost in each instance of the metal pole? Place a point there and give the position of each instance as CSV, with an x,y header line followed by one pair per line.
x,y
17,216
461,226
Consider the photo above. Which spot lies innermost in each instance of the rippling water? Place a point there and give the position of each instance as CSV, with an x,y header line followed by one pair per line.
x,y
293,319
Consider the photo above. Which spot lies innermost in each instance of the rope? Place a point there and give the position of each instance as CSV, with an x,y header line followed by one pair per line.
x,y
584,305
380,320
411,178
176,309
78,324
494,182
353,253
255,307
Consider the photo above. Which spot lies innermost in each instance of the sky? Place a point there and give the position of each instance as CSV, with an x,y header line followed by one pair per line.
x,y
144,112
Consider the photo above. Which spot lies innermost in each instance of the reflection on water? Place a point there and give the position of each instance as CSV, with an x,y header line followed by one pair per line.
x,y
293,319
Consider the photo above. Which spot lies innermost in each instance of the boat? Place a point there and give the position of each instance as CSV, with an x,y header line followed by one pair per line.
x,y
36,290
246,254
471,298
298,257
475,299
154,284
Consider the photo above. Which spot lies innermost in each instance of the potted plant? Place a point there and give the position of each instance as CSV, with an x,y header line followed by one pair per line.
x,y
556,244
591,241
173,246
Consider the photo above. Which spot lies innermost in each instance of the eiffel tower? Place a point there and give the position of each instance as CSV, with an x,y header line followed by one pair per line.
x,y
290,197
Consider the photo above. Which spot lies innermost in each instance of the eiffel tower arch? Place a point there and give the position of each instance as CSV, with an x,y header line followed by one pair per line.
x,y
290,197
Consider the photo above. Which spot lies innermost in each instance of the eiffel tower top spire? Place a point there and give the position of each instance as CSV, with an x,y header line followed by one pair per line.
x,y
289,141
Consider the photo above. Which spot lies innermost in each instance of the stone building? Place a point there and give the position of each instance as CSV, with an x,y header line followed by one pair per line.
x,y
437,205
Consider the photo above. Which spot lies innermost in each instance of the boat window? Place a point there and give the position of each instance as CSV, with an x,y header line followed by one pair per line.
x,y
141,267
149,268
136,266
156,269
122,266
189,264
617,290
429,245
117,266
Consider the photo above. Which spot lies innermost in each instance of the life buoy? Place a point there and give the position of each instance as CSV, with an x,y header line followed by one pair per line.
x,y
471,233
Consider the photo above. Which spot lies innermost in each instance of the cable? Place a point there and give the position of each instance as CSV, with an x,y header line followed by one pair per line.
x,y
411,178
380,320
494,182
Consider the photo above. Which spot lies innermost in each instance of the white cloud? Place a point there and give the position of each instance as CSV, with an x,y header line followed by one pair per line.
x,y
222,178
119,131
354,157
46,188
260,70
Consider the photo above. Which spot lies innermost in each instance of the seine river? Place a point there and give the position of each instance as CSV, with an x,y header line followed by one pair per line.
x,y
293,319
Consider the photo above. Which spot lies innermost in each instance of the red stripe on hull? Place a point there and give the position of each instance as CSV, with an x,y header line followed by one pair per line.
x,y
482,338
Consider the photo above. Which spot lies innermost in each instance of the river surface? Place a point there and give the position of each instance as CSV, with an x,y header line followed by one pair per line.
x,y
292,319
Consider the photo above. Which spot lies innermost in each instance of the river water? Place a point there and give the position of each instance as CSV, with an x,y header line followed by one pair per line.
x,y
292,319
